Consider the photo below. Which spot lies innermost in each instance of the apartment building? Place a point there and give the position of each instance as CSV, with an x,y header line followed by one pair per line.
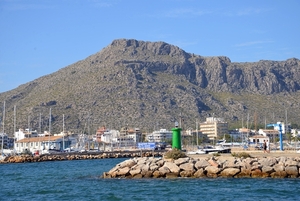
x,y
214,128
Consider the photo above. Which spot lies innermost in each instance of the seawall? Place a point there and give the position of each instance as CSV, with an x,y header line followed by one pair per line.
x,y
78,156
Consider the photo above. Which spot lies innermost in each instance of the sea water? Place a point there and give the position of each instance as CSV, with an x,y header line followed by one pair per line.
x,y
81,180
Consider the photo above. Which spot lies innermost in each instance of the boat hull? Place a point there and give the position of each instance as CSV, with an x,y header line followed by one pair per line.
x,y
217,150
196,152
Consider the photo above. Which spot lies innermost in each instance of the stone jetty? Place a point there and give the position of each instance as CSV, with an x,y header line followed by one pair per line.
x,y
77,156
210,167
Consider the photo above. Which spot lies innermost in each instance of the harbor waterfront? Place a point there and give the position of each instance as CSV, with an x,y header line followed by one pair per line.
x,y
81,180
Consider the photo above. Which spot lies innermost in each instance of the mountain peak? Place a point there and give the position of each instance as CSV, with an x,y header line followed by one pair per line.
x,y
149,83
157,48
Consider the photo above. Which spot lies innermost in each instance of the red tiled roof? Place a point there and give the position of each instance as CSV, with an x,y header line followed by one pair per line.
x,y
244,130
258,136
270,131
40,139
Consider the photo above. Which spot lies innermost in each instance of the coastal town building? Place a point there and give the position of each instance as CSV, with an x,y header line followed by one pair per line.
x,y
40,144
269,133
3,139
162,135
28,140
258,139
196,134
241,134
105,135
125,138
21,134
214,128
8,142
135,134
245,133
234,134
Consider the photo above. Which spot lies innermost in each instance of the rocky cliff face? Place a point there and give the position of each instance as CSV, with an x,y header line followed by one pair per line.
x,y
213,73
150,85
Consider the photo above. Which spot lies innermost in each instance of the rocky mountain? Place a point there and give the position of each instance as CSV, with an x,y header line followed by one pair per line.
x,y
150,85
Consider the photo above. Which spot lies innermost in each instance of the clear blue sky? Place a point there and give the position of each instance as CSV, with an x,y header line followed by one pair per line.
x,y
38,37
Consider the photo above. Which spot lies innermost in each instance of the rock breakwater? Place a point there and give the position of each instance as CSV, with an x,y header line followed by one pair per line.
x,y
212,167
76,156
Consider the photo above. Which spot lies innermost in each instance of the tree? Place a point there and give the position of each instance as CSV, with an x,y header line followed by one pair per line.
x,y
288,136
228,137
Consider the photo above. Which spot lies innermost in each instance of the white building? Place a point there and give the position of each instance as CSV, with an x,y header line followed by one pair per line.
x,y
40,144
21,134
268,133
135,134
126,138
27,140
110,136
258,139
162,135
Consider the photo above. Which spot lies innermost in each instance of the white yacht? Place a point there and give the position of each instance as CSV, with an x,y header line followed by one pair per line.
x,y
216,149
198,151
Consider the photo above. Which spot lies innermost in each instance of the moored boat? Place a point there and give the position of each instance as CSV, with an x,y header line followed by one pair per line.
x,y
216,149
210,150
198,151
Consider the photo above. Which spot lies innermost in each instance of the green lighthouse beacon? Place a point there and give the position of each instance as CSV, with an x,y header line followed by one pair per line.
x,y
176,137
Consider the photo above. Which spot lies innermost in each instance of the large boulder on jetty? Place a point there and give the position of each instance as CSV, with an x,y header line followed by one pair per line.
x,y
230,172
149,167
212,171
244,173
199,173
172,167
293,171
202,163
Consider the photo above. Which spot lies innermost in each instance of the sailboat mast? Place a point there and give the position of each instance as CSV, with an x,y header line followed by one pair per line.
x,y
197,133
242,121
49,130
63,132
89,131
3,120
40,130
40,123
265,123
286,121
14,119
248,128
28,123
